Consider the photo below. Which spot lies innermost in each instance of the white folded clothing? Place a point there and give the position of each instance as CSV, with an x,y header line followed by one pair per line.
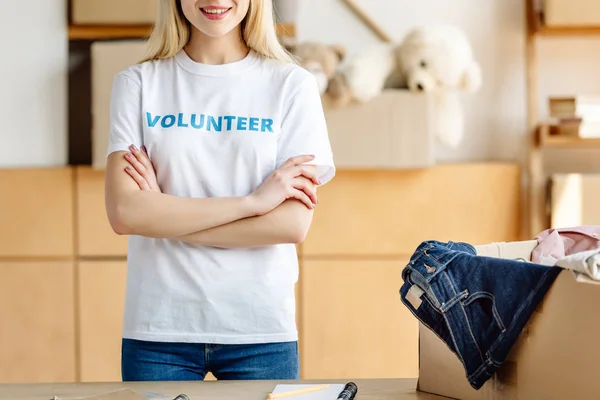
x,y
585,265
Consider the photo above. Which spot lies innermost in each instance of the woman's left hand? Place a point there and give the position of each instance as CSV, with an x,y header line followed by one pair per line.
x,y
141,169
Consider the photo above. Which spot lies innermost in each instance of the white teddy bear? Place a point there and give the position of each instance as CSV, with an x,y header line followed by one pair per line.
x,y
439,59
434,59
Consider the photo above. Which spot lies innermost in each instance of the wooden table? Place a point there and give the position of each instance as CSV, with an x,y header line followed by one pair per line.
x,y
369,389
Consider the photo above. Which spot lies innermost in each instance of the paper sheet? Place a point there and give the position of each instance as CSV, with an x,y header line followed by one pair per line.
x,y
123,394
331,393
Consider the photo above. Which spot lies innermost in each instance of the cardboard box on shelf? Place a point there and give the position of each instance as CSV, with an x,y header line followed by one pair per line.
x,y
565,13
113,12
554,357
574,200
396,129
108,58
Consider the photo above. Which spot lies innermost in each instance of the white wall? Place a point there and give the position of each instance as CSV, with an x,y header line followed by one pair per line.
x,y
33,83
497,114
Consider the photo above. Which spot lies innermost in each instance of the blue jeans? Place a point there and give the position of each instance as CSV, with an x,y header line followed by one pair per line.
x,y
157,361
477,305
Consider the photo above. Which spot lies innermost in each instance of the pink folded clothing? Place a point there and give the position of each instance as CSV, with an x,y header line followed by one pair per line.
x,y
561,242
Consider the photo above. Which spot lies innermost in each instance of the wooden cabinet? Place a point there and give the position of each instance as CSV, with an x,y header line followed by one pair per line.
x,y
388,213
37,328
100,309
353,322
63,323
96,237
36,213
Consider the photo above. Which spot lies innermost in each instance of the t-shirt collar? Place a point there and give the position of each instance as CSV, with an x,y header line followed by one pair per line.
x,y
184,60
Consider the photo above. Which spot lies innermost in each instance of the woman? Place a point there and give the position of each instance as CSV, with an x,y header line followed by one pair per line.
x,y
238,143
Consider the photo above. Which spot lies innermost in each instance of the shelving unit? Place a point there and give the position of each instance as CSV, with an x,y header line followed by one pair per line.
x,y
546,140
538,217
101,32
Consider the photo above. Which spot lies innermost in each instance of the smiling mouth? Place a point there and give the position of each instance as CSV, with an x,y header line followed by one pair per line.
x,y
215,12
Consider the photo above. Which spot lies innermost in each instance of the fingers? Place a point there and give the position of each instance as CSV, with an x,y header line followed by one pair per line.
x,y
297,160
306,186
141,156
298,169
132,159
308,172
300,195
143,185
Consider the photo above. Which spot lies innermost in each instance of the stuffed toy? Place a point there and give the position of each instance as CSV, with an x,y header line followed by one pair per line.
x,y
439,60
433,59
363,76
322,60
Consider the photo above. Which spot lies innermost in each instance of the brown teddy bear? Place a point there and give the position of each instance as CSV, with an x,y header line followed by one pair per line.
x,y
322,60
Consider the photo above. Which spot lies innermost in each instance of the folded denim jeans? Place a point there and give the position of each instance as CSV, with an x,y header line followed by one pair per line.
x,y
476,305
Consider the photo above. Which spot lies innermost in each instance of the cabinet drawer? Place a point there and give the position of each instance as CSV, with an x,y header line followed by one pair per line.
x,y
101,303
353,322
36,212
37,333
388,213
96,237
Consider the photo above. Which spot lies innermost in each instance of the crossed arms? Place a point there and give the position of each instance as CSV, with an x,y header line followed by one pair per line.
x,y
279,211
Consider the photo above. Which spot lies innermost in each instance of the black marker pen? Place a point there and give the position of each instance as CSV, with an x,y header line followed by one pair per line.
x,y
349,392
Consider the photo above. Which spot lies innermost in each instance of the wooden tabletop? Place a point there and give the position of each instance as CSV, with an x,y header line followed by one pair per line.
x,y
369,389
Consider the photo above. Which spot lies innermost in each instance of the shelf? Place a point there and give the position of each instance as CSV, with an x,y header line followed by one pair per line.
x,y
537,27
93,32
99,32
548,141
568,31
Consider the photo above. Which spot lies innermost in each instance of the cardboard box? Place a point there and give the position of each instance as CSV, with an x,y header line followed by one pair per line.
x,y
554,358
571,12
108,58
574,200
102,12
394,130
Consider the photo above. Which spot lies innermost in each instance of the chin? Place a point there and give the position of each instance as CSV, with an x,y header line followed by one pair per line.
x,y
215,31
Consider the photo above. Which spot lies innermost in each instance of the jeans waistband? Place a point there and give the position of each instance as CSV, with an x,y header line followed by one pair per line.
x,y
429,260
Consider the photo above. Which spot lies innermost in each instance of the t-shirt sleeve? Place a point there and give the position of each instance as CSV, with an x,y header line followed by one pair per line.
x,y
125,114
304,130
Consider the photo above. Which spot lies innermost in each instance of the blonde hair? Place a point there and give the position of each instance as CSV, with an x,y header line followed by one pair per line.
x,y
172,31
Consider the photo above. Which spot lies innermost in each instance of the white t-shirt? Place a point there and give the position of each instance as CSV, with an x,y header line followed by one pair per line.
x,y
214,131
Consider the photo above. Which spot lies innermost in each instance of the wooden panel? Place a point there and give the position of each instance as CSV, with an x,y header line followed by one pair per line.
x,y
37,328
387,213
36,212
96,237
299,308
101,302
354,324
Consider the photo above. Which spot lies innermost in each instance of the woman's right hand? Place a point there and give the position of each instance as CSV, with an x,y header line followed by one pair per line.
x,y
290,180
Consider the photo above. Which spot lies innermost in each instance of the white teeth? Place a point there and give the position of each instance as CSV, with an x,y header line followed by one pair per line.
x,y
215,11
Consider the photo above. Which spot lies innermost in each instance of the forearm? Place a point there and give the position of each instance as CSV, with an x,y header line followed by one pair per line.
x,y
161,215
287,223
132,211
